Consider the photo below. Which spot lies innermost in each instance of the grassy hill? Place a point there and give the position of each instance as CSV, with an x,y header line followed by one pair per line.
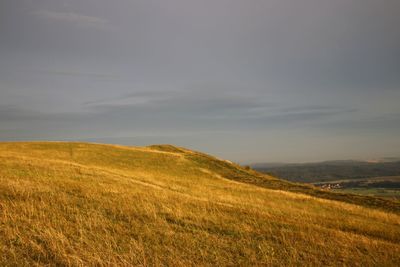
x,y
87,204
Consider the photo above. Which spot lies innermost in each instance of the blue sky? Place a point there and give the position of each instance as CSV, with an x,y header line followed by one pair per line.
x,y
249,81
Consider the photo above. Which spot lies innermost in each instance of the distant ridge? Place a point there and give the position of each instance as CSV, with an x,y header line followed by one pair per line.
x,y
331,170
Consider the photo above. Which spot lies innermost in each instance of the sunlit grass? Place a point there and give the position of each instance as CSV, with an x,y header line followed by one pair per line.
x,y
85,204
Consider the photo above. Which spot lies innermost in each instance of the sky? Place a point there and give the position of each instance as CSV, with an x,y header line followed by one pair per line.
x,y
249,81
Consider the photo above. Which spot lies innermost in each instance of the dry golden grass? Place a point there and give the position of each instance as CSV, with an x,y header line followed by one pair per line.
x,y
78,204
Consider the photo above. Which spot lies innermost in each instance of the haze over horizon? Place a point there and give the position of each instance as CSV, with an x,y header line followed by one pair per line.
x,y
248,81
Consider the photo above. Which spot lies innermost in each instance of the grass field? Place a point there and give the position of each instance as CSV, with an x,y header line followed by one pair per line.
x,y
76,204
393,194
383,187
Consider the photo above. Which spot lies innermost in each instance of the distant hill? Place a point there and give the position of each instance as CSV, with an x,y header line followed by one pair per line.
x,y
331,170
79,204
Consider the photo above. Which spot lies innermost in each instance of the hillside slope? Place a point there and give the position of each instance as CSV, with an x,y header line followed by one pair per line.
x,y
88,204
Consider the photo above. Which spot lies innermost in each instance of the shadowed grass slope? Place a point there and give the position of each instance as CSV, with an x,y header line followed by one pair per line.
x,y
87,204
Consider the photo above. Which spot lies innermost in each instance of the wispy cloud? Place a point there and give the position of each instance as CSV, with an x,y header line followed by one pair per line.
x,y
19,114
224,107
75,18
193,103
377,123
108,76
133,98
